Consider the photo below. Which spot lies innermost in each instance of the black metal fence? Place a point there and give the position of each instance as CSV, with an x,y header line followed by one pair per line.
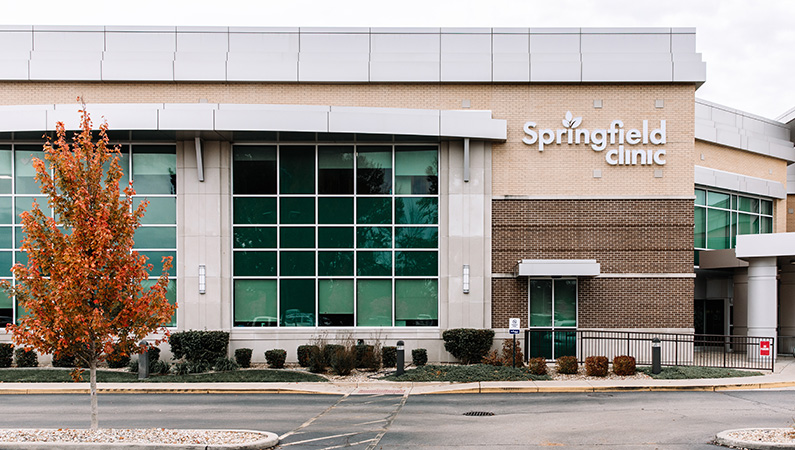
x,y
734,352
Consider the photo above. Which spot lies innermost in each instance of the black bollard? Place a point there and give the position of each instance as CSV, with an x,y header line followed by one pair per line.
x,y
401,358
656,364
143,361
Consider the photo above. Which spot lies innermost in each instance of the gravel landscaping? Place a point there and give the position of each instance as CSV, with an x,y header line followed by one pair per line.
x,y
181,438
757,438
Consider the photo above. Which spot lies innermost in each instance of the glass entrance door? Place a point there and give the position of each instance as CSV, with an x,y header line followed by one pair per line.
x,y
553,317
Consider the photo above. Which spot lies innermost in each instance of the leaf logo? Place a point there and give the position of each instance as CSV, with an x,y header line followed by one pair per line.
x,y
571,121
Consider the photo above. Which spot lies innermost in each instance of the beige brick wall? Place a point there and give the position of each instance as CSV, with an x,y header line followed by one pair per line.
x,y
564,170
734,160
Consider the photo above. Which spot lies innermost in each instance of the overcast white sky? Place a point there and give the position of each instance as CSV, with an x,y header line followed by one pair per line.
x,y
747,44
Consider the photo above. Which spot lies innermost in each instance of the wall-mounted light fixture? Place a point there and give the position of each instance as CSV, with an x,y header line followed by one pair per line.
x,y
202,279
466,279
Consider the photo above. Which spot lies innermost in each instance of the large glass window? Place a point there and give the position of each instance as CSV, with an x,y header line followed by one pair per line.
x,y
721,216
322,239
552,317
152,167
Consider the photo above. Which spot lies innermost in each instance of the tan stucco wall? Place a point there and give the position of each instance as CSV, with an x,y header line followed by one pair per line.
x,y
743,162
519,169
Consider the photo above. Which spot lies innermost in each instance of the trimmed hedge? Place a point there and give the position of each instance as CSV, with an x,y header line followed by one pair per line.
x,y
567,365
198,346
596,366
469,345
537,366
63,361
26,357
304,353
6,355
419,357
624,365
276,358
243,357
389,356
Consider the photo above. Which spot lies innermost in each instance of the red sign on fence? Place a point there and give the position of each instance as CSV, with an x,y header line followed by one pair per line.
x,y
764,348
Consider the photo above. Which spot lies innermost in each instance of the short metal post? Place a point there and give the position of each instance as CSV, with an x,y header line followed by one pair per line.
x,y
513,351
655,356
143,361
401,358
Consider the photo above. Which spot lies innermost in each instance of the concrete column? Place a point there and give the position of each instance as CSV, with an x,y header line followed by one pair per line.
x,y
786,312
762,297
740,302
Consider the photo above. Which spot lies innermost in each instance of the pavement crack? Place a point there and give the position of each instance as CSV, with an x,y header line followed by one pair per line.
x,y
388,423
309,422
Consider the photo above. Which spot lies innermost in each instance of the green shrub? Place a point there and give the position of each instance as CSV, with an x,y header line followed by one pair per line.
x,y
154,355
343,361
304,352
133,366
537,366
63,360
596,366
200,346
624,365
389,356
317,360
567,365
225,365
276,358
419,357
329,350
26,357
363,355
158,368
180,368
468,345
116,359
6,355
243,357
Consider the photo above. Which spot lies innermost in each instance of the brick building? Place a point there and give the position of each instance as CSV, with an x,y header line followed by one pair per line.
x,y
394,183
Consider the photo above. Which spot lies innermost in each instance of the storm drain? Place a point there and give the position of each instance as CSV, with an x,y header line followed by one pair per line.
x,y
479,413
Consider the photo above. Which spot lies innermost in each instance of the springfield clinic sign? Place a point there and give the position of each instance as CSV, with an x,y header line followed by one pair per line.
x,y
623,143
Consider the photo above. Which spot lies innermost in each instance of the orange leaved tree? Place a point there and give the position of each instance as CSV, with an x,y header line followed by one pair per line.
x,y
80,293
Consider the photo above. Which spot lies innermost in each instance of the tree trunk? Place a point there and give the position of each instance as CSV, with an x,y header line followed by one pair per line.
x,y
93,383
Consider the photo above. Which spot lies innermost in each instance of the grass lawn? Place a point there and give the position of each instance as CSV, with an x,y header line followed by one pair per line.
x,y
34,375
475,372
692,372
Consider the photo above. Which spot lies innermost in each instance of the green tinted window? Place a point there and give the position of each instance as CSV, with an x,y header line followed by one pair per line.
x,y
297,210
297,299
335,169
767,207
416,237
540,303
297,169
374,170
416,302
416,170
297,237
24,173
6,261
416,264
154,169
335,302
254,168
24,204
766,225
417,210
6,237
255,237
748,224
297,263
719,200
700,231
156,237
335,237
5,170
565,303
254,210
155,258
332,264
252,264
171,296
701,197
335,210
374,210
374,263
718,229
6,216
159,211
255,303
746,204
374,303
373,237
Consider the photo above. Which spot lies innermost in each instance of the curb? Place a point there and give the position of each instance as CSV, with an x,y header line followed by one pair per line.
x,y
433,388
725,440
268,441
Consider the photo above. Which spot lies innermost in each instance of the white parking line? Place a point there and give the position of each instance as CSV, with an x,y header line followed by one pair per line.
x,y
322,438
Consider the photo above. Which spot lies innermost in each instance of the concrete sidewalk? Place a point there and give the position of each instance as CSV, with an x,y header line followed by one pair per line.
x,y
782,377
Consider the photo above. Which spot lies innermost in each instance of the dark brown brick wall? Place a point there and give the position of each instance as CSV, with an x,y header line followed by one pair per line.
x,y
624,236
